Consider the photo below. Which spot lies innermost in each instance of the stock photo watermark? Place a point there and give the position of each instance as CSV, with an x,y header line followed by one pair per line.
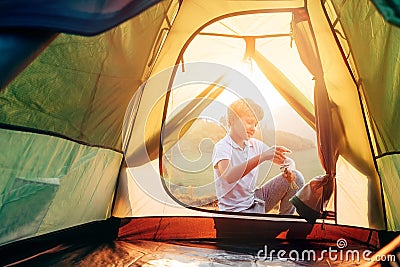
x,y
338,253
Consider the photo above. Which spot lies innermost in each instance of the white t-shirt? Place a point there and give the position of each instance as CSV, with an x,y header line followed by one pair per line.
x,y
236,196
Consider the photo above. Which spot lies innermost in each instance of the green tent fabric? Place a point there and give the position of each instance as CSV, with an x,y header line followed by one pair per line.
x,y
376,43
59,105
61,122
45,20
53,183
48,95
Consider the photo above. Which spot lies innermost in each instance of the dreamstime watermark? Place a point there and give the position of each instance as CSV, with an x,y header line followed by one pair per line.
x,y
338,253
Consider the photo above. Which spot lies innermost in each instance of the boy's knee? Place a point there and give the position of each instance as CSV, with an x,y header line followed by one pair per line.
x,y
299,178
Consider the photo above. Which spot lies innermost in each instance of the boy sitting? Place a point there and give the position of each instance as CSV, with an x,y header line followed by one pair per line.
x,y
236,160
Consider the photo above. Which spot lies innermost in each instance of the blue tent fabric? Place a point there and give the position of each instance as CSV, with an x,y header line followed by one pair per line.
x,y
390,10
87,17
18,48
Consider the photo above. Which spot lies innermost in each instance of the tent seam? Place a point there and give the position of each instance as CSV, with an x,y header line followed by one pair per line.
x,y
54,134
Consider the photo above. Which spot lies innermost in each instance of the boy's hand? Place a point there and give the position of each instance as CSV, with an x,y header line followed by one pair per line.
x,y
290,176
280,154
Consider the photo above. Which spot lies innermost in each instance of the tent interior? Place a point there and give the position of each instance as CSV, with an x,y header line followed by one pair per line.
x,y
109,112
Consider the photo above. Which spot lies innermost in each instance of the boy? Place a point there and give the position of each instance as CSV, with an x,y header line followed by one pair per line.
x,y
236,160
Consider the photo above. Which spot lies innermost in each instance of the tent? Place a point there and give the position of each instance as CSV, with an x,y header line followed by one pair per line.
x,y
90,107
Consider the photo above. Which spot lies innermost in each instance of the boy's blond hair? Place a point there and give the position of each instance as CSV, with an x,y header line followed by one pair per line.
x,y
242,107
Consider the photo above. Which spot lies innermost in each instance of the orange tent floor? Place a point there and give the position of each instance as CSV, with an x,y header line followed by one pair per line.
x,y
197,253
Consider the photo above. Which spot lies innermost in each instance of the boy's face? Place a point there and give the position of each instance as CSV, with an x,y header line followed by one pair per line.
x,y
244,126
